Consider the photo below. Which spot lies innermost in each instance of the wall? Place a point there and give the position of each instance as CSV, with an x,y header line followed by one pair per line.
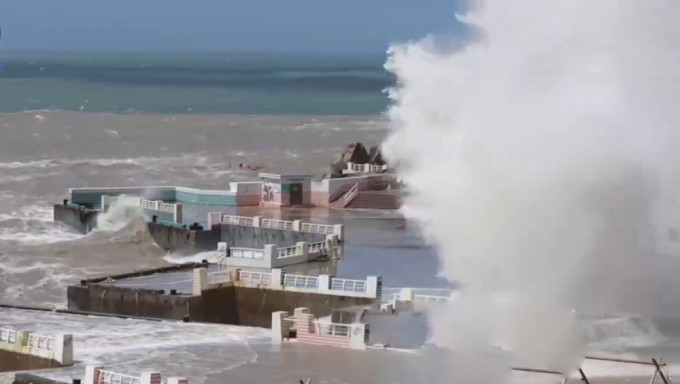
x,y
251,237
28,378
81,219
255,306
226,305
126,301
272,193
14,361
247,193
182,240
92,196
198,196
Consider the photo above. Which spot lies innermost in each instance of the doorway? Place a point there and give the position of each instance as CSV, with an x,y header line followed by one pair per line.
x,y
296,194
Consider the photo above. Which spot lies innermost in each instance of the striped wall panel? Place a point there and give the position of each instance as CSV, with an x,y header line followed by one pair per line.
x,y
331,341
226,199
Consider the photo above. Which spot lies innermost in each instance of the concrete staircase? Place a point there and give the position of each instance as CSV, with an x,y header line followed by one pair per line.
x,y
376,200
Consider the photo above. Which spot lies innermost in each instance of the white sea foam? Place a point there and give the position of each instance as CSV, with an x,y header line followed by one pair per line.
x,y
543,149
210,256
133,346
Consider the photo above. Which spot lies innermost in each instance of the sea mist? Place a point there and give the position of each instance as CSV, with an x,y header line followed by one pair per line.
x,y
540,157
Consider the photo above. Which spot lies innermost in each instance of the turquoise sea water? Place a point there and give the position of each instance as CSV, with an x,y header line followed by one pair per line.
x,y
277,84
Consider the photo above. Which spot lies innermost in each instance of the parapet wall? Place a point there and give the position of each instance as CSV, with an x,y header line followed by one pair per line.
x,y
178,238
23,350
250,237
227,304
80,218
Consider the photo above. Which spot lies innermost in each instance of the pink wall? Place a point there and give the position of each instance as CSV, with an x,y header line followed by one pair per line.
x,y
306,333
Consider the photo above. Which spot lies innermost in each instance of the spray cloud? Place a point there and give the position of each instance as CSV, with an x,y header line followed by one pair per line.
x,y
539,151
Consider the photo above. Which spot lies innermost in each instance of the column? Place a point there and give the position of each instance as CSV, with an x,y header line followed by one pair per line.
x,y
177,214
279,329
297,225
332,246
277,278
301,249
222,248
257,221
339,229
270,256
201,282
372,287
357,336
406,294
92,374
324,284
63,349
150,378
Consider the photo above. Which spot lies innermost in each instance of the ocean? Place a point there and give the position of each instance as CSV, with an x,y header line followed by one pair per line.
x,y
239,83
79,120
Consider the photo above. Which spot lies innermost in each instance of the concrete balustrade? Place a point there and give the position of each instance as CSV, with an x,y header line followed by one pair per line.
x,y
272,256
277,280
260,222
58,348
172,212
96,374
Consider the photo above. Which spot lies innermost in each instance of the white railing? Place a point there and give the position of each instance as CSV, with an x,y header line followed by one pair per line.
x,y
366,168
430,298
300,281
333,329
238,220
377,168
316,247
8,335
147,204
277,224
166,207
348,285
108,377
247,253
41,342
259,278
283,253
351,194
217,218
317,228
154,205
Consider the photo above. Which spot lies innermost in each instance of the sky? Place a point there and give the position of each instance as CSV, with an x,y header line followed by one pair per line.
x,y
221,25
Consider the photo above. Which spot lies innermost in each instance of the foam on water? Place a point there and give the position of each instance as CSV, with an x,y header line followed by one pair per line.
x,y
210,256
32,224
133,346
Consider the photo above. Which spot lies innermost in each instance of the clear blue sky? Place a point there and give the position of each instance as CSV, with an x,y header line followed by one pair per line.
x,y
221,25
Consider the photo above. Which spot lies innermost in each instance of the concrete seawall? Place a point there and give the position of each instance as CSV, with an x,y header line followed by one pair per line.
x,y
229,304
29,378
80,218
183,240
14,361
